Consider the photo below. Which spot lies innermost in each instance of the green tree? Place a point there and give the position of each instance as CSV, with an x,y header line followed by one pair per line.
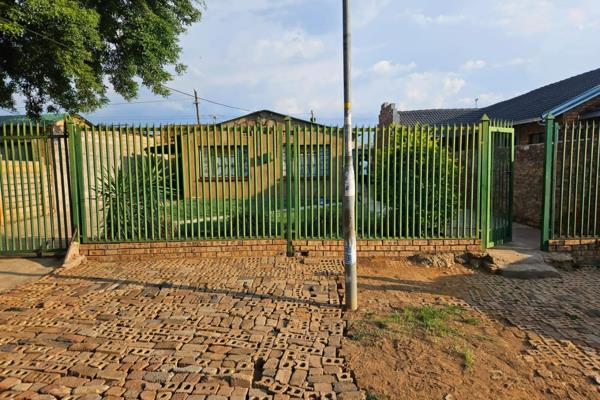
x,y
62,54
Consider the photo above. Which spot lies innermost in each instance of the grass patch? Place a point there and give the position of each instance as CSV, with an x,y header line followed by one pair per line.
x,y
468,359
374,396
434,320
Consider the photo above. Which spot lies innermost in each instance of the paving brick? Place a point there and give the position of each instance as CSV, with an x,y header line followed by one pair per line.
x,y
181,329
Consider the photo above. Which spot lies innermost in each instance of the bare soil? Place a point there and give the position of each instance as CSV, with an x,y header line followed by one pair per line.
x,y
416,338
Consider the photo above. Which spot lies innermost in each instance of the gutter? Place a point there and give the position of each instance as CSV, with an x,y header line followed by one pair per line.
x,y
574,102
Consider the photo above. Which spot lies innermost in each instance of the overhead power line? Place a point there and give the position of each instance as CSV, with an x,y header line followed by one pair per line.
x,y
207,100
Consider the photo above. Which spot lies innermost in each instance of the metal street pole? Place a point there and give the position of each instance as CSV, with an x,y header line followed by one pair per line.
x,y
196,102
349,184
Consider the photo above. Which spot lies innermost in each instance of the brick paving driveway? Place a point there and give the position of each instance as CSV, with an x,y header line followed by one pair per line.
x,y
255,328
559,317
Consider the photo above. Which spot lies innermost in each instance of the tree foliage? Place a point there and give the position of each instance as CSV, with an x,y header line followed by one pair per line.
x,y
62,54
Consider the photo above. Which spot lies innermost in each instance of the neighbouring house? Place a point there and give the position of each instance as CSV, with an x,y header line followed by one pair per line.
x,y
246,156
570,100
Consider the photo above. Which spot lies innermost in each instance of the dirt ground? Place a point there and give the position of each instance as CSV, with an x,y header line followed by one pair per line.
x,y
421,334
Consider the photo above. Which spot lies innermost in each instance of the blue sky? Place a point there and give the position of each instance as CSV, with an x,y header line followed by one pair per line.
x,y
285,55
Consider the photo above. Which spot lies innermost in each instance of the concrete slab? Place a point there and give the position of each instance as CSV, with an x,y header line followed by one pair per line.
x,y
15,272
522,259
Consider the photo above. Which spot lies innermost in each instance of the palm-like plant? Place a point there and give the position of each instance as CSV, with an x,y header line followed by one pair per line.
x,y
134,198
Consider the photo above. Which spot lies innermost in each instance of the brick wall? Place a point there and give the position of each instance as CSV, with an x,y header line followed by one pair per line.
x,y
581,249
209,249
528,184
276,247
385,248
386,114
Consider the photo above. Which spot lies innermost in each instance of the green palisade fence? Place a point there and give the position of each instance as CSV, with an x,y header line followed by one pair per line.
x,y
190,182
34,189
572,173
172,183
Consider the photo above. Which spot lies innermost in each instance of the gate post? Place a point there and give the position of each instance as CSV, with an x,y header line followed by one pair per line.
x,y
76,178
485,184
548,176
288,183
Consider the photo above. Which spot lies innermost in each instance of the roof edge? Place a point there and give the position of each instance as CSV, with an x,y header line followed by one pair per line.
x,y
574,102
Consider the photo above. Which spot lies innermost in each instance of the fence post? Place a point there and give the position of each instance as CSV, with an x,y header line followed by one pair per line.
x,y
486,176
548,174
288,181
76,179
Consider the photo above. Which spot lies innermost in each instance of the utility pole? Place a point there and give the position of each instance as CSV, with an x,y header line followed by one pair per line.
x,y
349,184
196,103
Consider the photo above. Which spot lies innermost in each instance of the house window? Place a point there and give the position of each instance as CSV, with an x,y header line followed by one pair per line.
x,y
535,138
309,166
16,151
221,162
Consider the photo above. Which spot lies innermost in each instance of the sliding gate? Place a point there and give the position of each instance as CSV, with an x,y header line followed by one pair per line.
x,y
34,190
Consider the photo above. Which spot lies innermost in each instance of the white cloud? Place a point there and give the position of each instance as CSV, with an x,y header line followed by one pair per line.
x,y
472,65
515,62
291,44
430,89
387,68
366,11
422,19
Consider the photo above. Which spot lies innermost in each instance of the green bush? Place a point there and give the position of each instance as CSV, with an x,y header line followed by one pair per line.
x,y
409,148
122,191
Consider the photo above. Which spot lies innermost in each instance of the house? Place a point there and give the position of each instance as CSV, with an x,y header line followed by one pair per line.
x,y
247,156
573,99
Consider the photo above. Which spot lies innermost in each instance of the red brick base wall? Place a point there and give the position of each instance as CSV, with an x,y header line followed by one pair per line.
x,y
580,249
209,249
276,247
385,248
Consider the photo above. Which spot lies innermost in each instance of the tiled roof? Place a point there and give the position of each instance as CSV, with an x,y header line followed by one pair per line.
x,y
436,116
525,107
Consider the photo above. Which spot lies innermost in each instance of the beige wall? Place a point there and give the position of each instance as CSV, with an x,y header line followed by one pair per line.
x,y
265,150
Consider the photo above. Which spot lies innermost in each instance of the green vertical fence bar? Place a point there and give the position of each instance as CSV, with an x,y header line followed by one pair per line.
x,y
239,173
204,165
87,190
332,206
32,186
594,229
17,219
74,183
306,159
269,169
288,177
43,190
5,225
26,233
582,230
590,179
296,176
337,181
255,208
485,182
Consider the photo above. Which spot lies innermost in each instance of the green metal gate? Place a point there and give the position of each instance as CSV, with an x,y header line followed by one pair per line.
x,y
34,191
497,184
571,176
